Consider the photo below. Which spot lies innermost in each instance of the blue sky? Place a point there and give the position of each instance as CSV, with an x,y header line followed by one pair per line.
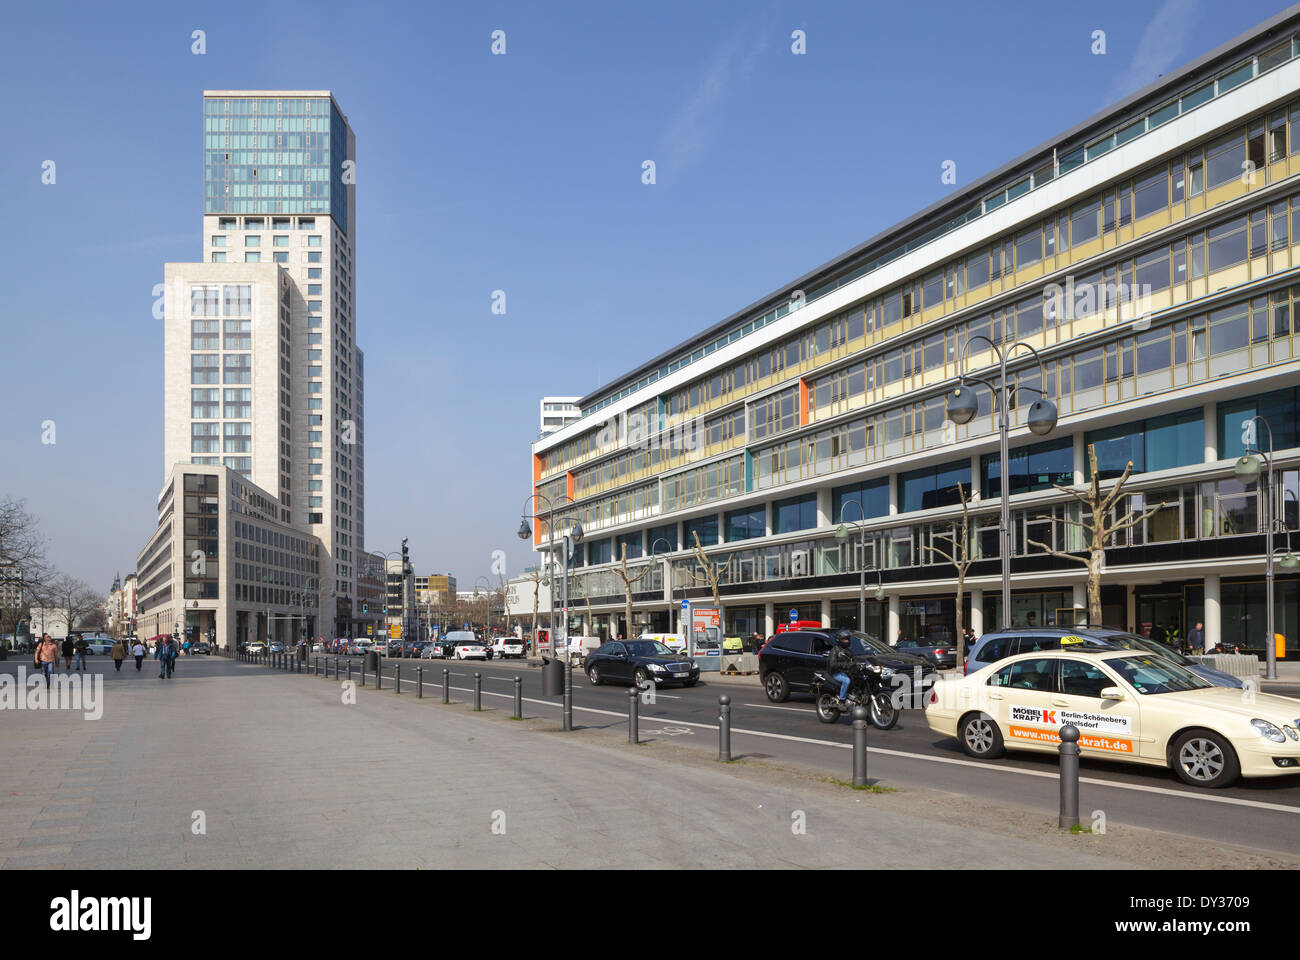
x,y
477,173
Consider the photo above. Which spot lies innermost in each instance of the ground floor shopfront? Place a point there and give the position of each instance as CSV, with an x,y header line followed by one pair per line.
x,y
1231,608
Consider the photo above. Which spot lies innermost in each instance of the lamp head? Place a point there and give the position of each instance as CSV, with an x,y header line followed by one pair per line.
x,y
880,592
1247,466
1042,417
525,531
841,533
1289,562
576,533
961,404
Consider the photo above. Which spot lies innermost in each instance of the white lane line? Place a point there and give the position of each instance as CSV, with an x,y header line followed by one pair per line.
x,y
770,706
1137,787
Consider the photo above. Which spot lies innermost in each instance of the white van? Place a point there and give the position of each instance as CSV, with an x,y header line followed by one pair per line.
x,y
579,647
670,640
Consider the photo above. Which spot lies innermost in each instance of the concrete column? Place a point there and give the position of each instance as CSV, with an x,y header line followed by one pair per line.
x,y
825,514
1210,414
1131,613
681,536
977,611
1213,611
722,526
893,494
1080,457
769,620
826,613
975,478
767,518
892,637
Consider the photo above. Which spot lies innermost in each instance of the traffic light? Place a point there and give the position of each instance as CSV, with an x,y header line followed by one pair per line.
x,y
365,607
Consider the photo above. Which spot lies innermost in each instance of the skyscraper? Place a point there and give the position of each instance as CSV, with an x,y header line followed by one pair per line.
x,y
262,371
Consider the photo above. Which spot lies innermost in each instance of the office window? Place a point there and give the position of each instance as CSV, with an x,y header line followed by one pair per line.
x,y
313,241
1160,443
313,273
313,256
281,256
252,240
203,404
746,523
313,306
667,537
794,513
1036,467
238,403
205,301
932,487
238,438
205,437
252,256
1151,194
706,528
280,241
1279,408
858,501
218,240
204,368
1085,223
203,334
237,368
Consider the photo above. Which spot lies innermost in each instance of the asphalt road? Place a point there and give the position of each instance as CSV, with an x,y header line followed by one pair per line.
x,y
1264,814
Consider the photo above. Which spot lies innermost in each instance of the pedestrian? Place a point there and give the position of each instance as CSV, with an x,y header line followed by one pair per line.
x,y
119,654
163,654
173,651
80,648
967,638
137,651
186,646
1196,638
67,649
46,656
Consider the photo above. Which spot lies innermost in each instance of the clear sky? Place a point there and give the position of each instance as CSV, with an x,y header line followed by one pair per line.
x,y
478,173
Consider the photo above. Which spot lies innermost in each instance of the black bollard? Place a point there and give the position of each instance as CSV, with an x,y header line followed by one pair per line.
x,y
478,691
363,671
379,674
633,715
519,698
419,683
397,678
724,728
1069,776
860,715
349,672
446,685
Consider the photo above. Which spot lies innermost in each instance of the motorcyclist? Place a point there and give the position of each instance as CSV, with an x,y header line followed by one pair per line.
x,y
840,663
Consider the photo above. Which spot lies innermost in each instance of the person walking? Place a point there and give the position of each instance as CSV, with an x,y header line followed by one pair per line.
x,y
163,654
119,654
1196,639
186,647
173,651
67,650
46,656
80,648
137,651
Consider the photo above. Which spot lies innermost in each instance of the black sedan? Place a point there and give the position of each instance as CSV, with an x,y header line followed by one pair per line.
x,y
641,662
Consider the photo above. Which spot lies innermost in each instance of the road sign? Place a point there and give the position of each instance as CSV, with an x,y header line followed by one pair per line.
x,y
395,631
794,615
686,604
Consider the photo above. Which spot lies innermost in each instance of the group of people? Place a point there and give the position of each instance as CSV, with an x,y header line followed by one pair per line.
x,y
46,655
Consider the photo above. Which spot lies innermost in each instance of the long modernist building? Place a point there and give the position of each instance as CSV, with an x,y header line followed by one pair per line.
x,y
1151,254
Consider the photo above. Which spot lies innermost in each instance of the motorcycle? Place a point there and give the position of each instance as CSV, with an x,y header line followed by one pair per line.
x,y
866,688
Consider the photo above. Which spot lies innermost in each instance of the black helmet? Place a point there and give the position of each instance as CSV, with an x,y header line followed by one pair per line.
x,y
843,638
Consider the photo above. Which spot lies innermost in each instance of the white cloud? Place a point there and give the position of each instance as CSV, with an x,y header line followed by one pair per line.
x,y
1159,48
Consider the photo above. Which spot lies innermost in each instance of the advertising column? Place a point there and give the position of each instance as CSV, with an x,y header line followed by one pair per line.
x,y
705,637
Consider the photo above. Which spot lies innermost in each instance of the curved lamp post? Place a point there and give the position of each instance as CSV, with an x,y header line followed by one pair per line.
x,y
574,535
487,603
671,602
1247,468
1041,420
842,534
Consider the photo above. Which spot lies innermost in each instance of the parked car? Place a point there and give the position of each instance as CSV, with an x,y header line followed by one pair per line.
x,y
941,656
466,646
1128,705
1001,644
642,662
439,648
201,647
277,647
788,660
256,647
505,647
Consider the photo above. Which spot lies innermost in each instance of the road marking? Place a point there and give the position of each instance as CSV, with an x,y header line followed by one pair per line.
x,y
956,761
769,706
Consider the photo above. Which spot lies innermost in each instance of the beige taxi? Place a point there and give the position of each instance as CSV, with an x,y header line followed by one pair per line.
x,y
1127,705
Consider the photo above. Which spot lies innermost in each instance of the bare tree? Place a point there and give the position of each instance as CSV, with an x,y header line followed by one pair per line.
x,y
23,569
710,572
629,580
960,557
1099,528
71,597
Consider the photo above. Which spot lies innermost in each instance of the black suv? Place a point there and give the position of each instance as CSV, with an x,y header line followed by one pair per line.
x,y
788,660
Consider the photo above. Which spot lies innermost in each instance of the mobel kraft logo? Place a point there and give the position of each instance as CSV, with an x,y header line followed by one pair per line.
x,y
78,914
84,692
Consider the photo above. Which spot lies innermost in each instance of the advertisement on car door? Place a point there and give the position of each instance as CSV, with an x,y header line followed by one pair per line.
x,y
1093,727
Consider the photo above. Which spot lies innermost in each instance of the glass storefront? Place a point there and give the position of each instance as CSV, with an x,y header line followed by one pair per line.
x,y
1244,617
1028,609
844,615
744,621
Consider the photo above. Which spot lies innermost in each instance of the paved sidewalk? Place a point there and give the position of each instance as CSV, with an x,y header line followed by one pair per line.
x,y
286,774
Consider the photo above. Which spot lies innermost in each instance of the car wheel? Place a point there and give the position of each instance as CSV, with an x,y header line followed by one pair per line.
x,y
593,674
980,737
1205,759
774,686
642,678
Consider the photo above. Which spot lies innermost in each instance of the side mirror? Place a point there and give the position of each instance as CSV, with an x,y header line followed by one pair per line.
x,y
1112,693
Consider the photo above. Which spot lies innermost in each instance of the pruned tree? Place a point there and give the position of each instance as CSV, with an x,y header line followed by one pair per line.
x,y
960,557
23,569
710,571
629,580
71,597
1099,528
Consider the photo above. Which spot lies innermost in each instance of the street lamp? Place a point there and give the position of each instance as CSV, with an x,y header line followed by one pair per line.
x,y
842,535
1041,420
1247,468
572,537
671,602
487,604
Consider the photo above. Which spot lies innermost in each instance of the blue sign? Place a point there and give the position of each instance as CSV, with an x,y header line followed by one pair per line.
x,y
685,604
794,615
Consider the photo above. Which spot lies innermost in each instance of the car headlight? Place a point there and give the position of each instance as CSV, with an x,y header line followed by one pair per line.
x,y
1291,732
1268,730
657,668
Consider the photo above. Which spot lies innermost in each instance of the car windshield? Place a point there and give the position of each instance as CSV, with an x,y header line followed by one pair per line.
x,y
864,644
1131,641
1150,674
647,648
